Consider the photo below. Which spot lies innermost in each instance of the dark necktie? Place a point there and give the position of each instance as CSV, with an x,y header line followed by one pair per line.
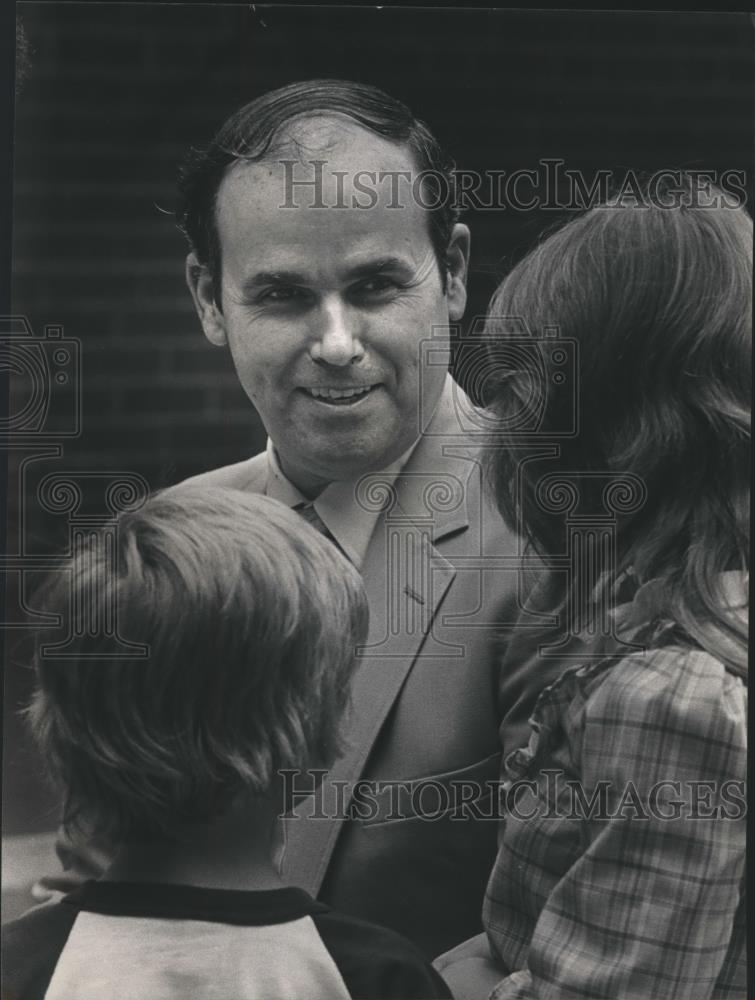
x,y
308,512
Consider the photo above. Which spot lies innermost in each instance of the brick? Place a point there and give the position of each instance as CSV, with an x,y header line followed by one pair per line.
x,y
117,92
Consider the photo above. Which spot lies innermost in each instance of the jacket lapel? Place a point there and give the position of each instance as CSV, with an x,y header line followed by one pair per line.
x,y
406,578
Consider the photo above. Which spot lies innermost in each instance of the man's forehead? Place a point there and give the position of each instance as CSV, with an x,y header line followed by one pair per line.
x,y
324,161
341,249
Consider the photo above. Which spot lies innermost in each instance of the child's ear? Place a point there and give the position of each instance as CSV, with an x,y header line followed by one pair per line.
x,y
202,288
278,844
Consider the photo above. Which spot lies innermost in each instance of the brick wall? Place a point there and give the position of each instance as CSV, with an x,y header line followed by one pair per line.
x,y
115,94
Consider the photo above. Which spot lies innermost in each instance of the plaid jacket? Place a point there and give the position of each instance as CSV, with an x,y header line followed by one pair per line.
x,y
621,860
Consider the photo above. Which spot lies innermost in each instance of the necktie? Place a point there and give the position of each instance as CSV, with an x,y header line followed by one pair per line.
x,y
308,512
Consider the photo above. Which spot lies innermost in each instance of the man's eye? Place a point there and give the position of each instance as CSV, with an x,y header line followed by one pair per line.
x,y
377,286
282,295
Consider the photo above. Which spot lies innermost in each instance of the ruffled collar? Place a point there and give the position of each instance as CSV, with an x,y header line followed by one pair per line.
x,y
648,608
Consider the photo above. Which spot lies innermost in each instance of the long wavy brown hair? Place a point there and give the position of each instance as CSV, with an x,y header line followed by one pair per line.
x,y
657,295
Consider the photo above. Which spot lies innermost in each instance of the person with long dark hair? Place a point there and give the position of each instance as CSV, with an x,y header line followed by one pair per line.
x,y
622,848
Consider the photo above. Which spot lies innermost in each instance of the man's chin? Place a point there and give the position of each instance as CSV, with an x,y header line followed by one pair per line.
x,y
340,463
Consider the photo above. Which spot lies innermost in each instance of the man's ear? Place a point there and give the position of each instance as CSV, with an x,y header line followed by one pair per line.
x,y
458,263
202,289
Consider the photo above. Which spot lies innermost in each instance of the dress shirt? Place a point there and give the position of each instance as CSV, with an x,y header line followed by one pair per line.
x,y
627,902
350,523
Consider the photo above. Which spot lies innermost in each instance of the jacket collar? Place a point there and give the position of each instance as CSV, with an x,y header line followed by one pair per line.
x,y
429,492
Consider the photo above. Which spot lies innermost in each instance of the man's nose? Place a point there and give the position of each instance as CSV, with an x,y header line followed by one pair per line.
x,y
337,341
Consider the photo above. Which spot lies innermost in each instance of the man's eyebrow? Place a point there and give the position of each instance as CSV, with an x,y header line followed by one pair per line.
x,y
274,278
379,264
369,267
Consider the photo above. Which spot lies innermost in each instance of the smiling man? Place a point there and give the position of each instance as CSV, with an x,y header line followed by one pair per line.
x,y
321,261
325,309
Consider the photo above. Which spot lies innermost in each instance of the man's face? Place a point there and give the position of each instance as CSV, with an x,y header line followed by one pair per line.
x,y
324,309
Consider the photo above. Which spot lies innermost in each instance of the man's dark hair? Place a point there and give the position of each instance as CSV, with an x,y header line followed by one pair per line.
x,y
249,134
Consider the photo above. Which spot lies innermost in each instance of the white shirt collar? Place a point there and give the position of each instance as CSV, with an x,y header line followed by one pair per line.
x,y
347,520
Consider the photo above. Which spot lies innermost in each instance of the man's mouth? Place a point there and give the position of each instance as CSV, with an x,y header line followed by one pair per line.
x,y
339,397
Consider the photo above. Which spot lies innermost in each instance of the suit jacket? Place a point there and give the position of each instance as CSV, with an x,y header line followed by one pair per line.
x,y
402,832
403,829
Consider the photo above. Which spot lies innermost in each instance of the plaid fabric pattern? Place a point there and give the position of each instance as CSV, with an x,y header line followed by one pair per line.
x,y
610,899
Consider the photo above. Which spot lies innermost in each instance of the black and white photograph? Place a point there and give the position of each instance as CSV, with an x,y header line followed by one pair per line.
x,y
377,500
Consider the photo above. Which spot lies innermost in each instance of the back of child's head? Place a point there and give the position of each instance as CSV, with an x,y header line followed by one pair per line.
x,y
654,294
250,619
